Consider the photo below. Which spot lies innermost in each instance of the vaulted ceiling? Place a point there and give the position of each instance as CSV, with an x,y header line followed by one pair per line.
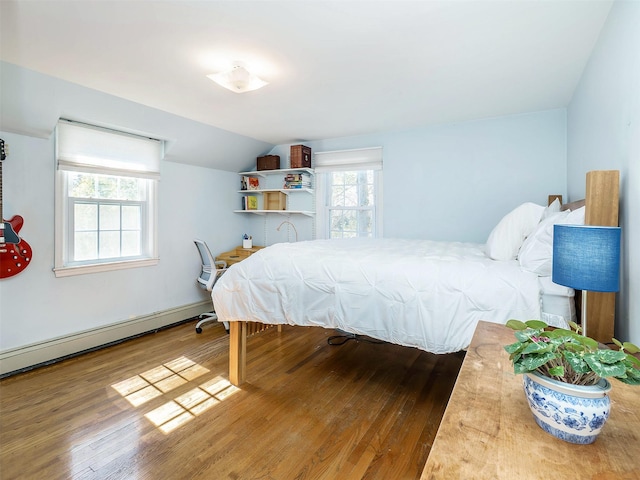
x,y
335,68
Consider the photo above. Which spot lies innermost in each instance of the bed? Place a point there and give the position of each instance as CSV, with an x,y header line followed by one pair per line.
x,y
416,293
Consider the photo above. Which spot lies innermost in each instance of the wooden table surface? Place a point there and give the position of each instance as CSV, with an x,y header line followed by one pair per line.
x,y
488,431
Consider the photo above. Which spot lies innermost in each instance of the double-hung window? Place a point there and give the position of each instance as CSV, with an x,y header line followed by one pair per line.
x,y
349,193
106,203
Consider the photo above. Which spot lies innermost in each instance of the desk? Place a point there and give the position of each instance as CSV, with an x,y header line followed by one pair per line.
x,y
237,254
488,431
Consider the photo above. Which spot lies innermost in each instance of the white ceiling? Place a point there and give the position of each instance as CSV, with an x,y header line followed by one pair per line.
x,y
335,68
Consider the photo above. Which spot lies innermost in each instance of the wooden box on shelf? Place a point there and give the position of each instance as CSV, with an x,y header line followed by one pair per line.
x,y
268,162
300,156
275,201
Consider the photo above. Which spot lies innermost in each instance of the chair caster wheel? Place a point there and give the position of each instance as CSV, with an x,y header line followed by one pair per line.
x,y
198,330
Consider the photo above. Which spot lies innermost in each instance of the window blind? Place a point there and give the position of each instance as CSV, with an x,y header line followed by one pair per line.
x,y
92,149
356,159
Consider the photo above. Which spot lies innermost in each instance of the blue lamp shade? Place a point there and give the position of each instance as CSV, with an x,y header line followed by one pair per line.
x,y
586,257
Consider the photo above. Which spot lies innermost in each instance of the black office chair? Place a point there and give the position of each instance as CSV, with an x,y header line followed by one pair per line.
x,y
209,273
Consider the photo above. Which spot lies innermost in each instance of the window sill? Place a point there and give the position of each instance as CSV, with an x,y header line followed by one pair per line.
x,y
103,267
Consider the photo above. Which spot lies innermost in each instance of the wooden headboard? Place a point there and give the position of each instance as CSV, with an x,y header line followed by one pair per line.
x,y
573,205
602,200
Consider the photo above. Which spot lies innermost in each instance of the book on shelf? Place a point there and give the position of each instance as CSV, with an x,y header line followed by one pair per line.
x,y
298,177
249,202
250,183
297,180
254,183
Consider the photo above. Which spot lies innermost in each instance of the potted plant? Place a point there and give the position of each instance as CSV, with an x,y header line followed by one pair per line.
x,y
565,377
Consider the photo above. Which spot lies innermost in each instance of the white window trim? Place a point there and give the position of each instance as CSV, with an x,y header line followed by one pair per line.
x,y
61,219
103,267
92,149
61,226
353,159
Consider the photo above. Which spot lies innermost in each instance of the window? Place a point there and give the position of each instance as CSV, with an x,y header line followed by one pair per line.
x,y
351,205
349,188
105,199
106,214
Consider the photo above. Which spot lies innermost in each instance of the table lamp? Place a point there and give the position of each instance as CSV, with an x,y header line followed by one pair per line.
x,y
587,258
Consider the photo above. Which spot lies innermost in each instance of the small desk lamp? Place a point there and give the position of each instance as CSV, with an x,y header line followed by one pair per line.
x,y
585,258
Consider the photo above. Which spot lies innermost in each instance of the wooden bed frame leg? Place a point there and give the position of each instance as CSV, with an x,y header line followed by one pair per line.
x,y
237,352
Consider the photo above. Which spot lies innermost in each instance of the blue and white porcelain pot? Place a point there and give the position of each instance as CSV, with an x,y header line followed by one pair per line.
x,y
573,413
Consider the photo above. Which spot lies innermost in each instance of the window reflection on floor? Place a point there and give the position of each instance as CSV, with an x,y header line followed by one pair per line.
x,y
163,379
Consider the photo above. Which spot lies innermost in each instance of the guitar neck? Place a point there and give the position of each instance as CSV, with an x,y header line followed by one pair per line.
x,y
3,155
1,216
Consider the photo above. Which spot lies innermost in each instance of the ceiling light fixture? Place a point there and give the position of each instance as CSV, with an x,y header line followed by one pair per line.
x,y
238,79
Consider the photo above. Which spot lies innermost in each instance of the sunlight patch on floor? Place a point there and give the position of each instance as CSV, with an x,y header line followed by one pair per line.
x,y
165,378
152,383
183,408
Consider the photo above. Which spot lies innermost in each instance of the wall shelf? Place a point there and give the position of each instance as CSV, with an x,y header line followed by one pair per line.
x,y
280,212
286,191
275,199
265,173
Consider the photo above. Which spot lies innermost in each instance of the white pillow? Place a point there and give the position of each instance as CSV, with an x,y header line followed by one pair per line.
x,y
554,207
536,252
507,236
576,217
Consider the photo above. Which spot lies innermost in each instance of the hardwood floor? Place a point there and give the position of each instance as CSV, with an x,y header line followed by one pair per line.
x,y
161,407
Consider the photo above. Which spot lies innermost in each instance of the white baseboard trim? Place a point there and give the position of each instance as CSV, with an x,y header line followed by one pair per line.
x,y
46,351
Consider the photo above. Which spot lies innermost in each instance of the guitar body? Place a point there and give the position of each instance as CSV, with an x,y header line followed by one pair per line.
x,y
15,253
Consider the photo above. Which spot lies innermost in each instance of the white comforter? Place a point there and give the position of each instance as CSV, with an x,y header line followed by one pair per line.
x,y
416,293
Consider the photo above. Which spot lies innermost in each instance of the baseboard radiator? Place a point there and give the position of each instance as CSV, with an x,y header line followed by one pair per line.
x,y
23,358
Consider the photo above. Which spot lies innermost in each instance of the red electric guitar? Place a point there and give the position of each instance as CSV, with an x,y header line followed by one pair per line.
x,y
15,253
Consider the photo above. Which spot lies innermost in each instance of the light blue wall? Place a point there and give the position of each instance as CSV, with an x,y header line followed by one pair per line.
x,y
33,102
604,134
37,306
455,182
194,202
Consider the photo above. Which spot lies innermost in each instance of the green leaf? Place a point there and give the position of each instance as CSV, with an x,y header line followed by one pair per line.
x,y
536,347
630,380
515,347
525,335
560,333
528,364
632,377
516,324
630,358
602,369
630,347
574,347
567,335
557,371
610,356
617,342
633,372
538,324
576,361
589,342
575,326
